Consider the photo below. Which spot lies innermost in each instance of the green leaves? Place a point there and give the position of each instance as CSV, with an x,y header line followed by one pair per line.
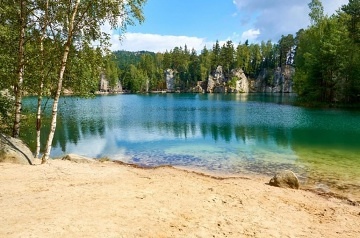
x,y
327,58
316,11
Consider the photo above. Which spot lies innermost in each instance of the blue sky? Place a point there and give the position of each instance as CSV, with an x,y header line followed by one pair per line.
x,y
199,23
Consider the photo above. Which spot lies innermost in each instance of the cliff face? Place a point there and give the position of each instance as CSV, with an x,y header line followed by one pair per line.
x,y
235,82
274,81
268,81
104,85
170,80
242,82
216,81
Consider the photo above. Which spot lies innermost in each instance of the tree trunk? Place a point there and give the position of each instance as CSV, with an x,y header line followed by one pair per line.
x,y
40,92
38,120
20,72
41,83
67,45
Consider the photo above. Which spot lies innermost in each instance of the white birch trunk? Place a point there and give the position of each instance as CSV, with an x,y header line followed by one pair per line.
x,y
38,120
67,45
41,85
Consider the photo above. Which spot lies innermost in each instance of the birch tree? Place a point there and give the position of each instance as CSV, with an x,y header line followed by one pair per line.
x,y
43,20
78,23
22,12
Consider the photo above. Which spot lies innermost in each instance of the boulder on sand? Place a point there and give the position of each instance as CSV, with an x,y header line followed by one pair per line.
x,y
285,179
13,150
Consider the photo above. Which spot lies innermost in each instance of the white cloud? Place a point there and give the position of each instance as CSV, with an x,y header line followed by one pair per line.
x,y
261,19
250,35
279,17
157,43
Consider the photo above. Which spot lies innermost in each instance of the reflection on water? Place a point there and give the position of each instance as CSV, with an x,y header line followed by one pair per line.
x,y
243,133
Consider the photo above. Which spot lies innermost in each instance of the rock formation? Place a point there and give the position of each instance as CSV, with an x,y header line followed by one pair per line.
x,y
14,151
199,88
219,76
211,84
219,82
277,81
216,82
242,83
268,81
170,80
285,179
287,76
104,85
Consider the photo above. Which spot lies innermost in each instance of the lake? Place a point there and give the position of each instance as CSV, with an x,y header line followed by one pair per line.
x,y
232,134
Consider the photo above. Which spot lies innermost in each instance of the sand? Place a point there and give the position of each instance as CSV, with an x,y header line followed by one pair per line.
x,y
67,199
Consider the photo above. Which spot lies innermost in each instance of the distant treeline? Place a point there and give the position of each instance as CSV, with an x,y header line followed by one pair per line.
x,y
326,56
145,70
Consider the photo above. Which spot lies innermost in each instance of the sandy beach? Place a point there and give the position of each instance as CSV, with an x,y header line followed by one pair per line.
x,y
67,199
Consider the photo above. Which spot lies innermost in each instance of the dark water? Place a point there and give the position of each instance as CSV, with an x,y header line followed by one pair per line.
x,y
228,134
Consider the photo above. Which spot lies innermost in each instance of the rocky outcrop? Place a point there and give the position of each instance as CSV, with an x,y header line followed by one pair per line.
x,y
219,76
104,85
170,80
242,83
211,84
234,82
268,81
199,88
287,79
216,82
220,89
285,179
274,81
14,151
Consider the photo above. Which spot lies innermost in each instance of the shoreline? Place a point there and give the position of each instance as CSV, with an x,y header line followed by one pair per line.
x,y
327,193
246,176
64,198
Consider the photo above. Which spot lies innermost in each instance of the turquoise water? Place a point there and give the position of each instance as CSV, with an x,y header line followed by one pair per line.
x,y
221,133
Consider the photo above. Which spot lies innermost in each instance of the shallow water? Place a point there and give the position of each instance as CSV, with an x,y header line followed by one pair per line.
x,y
228,134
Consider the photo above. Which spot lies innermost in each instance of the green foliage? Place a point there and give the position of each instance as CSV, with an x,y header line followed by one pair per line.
x,y
6,110
286,45
112,72
215,56
205,64
48,45
232,82
227,56
125,58
83,71
352,10
316,11
191,67
135,79
327,58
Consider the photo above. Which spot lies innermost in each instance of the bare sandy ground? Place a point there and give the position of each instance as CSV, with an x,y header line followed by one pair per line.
x,y
66,199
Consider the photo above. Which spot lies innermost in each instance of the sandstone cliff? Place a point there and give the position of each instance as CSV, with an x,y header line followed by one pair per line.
x,y
235,82
170,80
104,85
268,81
274,81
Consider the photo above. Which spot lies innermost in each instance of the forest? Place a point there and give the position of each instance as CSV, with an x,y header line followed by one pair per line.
x,y
326,58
